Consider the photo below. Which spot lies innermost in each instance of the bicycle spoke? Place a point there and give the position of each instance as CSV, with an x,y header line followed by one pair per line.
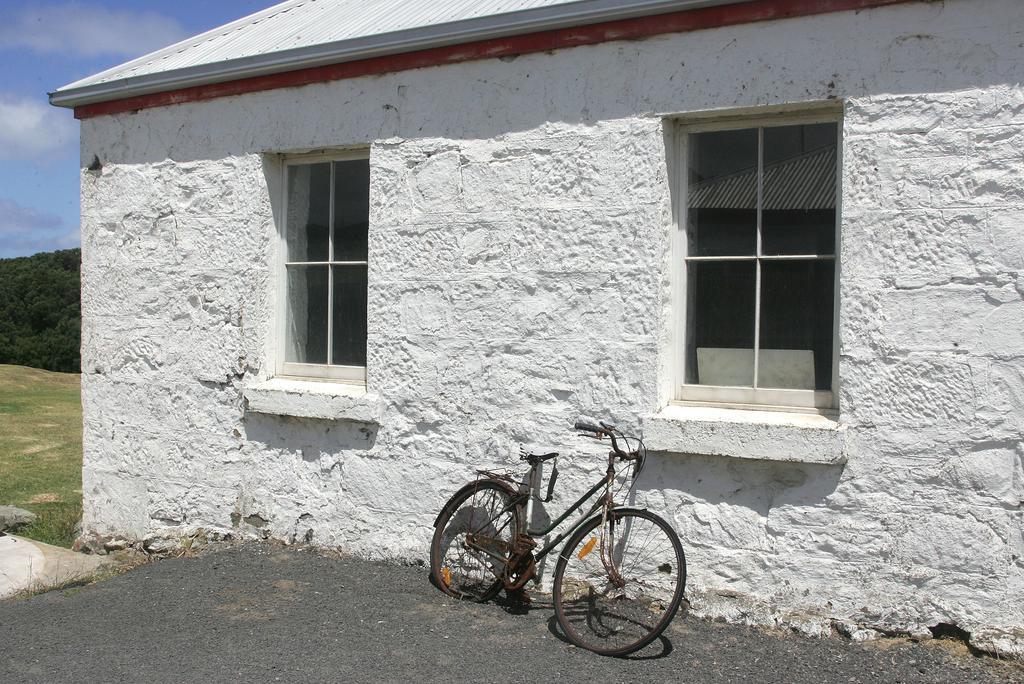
x,y
614,615
473,543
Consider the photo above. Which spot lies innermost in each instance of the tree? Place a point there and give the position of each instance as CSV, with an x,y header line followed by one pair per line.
x,y
40,310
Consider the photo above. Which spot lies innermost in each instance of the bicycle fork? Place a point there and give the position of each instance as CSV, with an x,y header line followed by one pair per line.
x,y
604,548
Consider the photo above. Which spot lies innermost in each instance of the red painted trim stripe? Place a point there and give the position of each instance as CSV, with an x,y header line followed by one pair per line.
x,y
625,29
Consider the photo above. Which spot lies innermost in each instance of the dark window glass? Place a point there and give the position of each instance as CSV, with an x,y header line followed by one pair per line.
x,y
348,333
768,194
798,214
309,211
351,209
720,313
307,314
797,301
722,193
326,317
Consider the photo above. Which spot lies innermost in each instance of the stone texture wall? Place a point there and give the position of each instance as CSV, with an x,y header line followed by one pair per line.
x,y
520,235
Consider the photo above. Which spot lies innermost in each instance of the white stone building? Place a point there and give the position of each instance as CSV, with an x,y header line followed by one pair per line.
x,y
336,258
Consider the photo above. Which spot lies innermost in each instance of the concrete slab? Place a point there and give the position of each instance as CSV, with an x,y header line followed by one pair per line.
x,y
26,564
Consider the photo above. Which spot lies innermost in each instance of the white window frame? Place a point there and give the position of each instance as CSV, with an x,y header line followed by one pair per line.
x,y
815,401
354,375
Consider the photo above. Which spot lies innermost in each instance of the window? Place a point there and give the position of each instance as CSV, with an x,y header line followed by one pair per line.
x,y
323,278
758,284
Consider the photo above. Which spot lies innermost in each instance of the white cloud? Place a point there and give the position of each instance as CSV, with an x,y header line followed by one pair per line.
x,y
33,130
89,30
24,230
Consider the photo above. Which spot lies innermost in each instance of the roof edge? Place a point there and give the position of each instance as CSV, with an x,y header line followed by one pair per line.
x,y
438,35
190,42
433,46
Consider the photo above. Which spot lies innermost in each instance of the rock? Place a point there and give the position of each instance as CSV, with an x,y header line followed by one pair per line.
x,y
116,544
159,546
11,518
809,627
919,633
90,544
198,543
864,635
855,632
1001,643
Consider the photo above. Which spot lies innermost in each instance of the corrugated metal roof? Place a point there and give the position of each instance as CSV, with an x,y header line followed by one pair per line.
x,y
806,181
303,33
300,23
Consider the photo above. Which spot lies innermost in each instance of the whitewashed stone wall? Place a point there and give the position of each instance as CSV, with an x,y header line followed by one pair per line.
x,y
519,275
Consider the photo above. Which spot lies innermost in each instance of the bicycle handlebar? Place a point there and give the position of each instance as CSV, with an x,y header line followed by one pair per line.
x,y
600,429
589,425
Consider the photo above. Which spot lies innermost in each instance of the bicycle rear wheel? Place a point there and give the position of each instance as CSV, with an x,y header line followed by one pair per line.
x,y
473,540
620,604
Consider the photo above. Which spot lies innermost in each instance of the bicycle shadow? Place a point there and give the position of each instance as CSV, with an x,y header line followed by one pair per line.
x,y
643,654
514,606
649,652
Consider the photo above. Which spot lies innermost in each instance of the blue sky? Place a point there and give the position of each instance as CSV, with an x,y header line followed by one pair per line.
x,y
44,45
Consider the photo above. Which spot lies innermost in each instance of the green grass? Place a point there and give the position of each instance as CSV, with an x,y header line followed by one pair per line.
x,y
41,450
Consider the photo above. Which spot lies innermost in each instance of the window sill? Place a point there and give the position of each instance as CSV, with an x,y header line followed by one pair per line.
x,y
749,434
312,399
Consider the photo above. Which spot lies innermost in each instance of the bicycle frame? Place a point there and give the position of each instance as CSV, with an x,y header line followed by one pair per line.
x,y
522,545
527,498
534,471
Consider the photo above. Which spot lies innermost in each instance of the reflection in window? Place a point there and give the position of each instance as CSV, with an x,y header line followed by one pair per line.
x,y
722,193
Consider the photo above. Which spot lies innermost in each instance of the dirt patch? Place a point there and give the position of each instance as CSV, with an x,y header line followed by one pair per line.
x,y
286,585
45,497
37,448
259,603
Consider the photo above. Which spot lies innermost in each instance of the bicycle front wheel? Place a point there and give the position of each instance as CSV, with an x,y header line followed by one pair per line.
x,y
473,540
615,596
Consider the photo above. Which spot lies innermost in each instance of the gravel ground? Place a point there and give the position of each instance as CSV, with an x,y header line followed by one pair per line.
x,y
262,613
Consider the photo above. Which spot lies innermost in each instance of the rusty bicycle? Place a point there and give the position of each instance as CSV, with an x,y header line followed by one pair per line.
x,y
620,577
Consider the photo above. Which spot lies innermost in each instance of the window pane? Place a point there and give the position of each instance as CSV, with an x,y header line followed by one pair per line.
x,y
799,190
796,324
309,211
722,196
351,209
720,323
349,328
307,314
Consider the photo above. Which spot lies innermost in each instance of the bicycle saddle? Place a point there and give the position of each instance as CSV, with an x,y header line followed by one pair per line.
x,y
525,456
